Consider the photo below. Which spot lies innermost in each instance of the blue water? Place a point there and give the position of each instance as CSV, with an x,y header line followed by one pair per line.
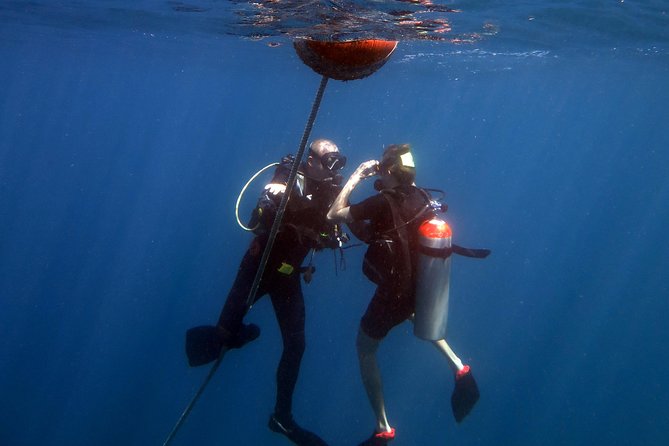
x,y
126,136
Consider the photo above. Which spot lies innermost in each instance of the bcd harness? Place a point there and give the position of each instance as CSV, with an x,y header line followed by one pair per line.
x,y
389,258
301,201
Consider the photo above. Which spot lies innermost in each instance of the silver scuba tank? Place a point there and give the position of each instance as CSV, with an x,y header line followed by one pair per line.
x,y
433,277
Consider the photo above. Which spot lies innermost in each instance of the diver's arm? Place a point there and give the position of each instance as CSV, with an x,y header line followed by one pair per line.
x,y
339,211
263,215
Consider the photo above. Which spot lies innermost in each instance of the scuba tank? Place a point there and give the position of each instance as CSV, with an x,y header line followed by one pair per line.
x,y
433,277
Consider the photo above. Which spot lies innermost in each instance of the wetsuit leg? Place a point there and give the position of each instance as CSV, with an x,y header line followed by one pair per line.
x,y
235,307
288,302
205,343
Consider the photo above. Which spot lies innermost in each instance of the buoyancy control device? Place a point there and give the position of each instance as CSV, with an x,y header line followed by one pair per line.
x,y
389,259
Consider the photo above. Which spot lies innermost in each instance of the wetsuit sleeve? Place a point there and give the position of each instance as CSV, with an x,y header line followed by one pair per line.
x,y
368,209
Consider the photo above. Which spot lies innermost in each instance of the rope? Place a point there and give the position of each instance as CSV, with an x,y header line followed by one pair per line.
x,y
265,255
196,397
292,176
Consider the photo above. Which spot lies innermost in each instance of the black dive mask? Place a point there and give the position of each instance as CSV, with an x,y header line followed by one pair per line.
x,y
333,161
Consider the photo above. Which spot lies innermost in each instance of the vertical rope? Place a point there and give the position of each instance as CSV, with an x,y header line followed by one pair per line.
x,y
292,176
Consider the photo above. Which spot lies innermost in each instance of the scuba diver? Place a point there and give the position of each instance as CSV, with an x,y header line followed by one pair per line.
x,y
389,223
304,229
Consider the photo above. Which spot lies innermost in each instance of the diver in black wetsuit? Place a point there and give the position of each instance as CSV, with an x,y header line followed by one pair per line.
x,y
304,228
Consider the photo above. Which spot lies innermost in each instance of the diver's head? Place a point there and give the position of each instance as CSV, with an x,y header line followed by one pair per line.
x,y
324,161
396,167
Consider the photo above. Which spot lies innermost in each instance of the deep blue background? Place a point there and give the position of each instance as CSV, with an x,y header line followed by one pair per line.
x,y
121,156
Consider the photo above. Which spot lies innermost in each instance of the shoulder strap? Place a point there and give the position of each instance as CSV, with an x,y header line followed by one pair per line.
x,y
404,262
399,223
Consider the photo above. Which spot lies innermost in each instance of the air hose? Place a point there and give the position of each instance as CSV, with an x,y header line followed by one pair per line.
x,y
241,194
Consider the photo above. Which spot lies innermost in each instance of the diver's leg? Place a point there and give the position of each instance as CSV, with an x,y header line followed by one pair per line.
x,y
371,378
235,307
453,361
288,303
387,309
466,392
206,343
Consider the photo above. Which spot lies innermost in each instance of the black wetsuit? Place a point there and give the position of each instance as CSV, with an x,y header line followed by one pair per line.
x,y
304,227
394,298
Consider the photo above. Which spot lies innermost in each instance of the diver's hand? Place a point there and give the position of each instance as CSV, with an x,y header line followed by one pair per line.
x,y
367,169
275,188
334,240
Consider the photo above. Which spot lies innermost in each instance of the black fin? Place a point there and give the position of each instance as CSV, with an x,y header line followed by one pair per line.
x,y
294,432
246,334
465,395
203,344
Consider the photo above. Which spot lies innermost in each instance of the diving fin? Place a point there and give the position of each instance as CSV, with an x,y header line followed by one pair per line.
x,y
294,432
465,394
246,334
205,342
